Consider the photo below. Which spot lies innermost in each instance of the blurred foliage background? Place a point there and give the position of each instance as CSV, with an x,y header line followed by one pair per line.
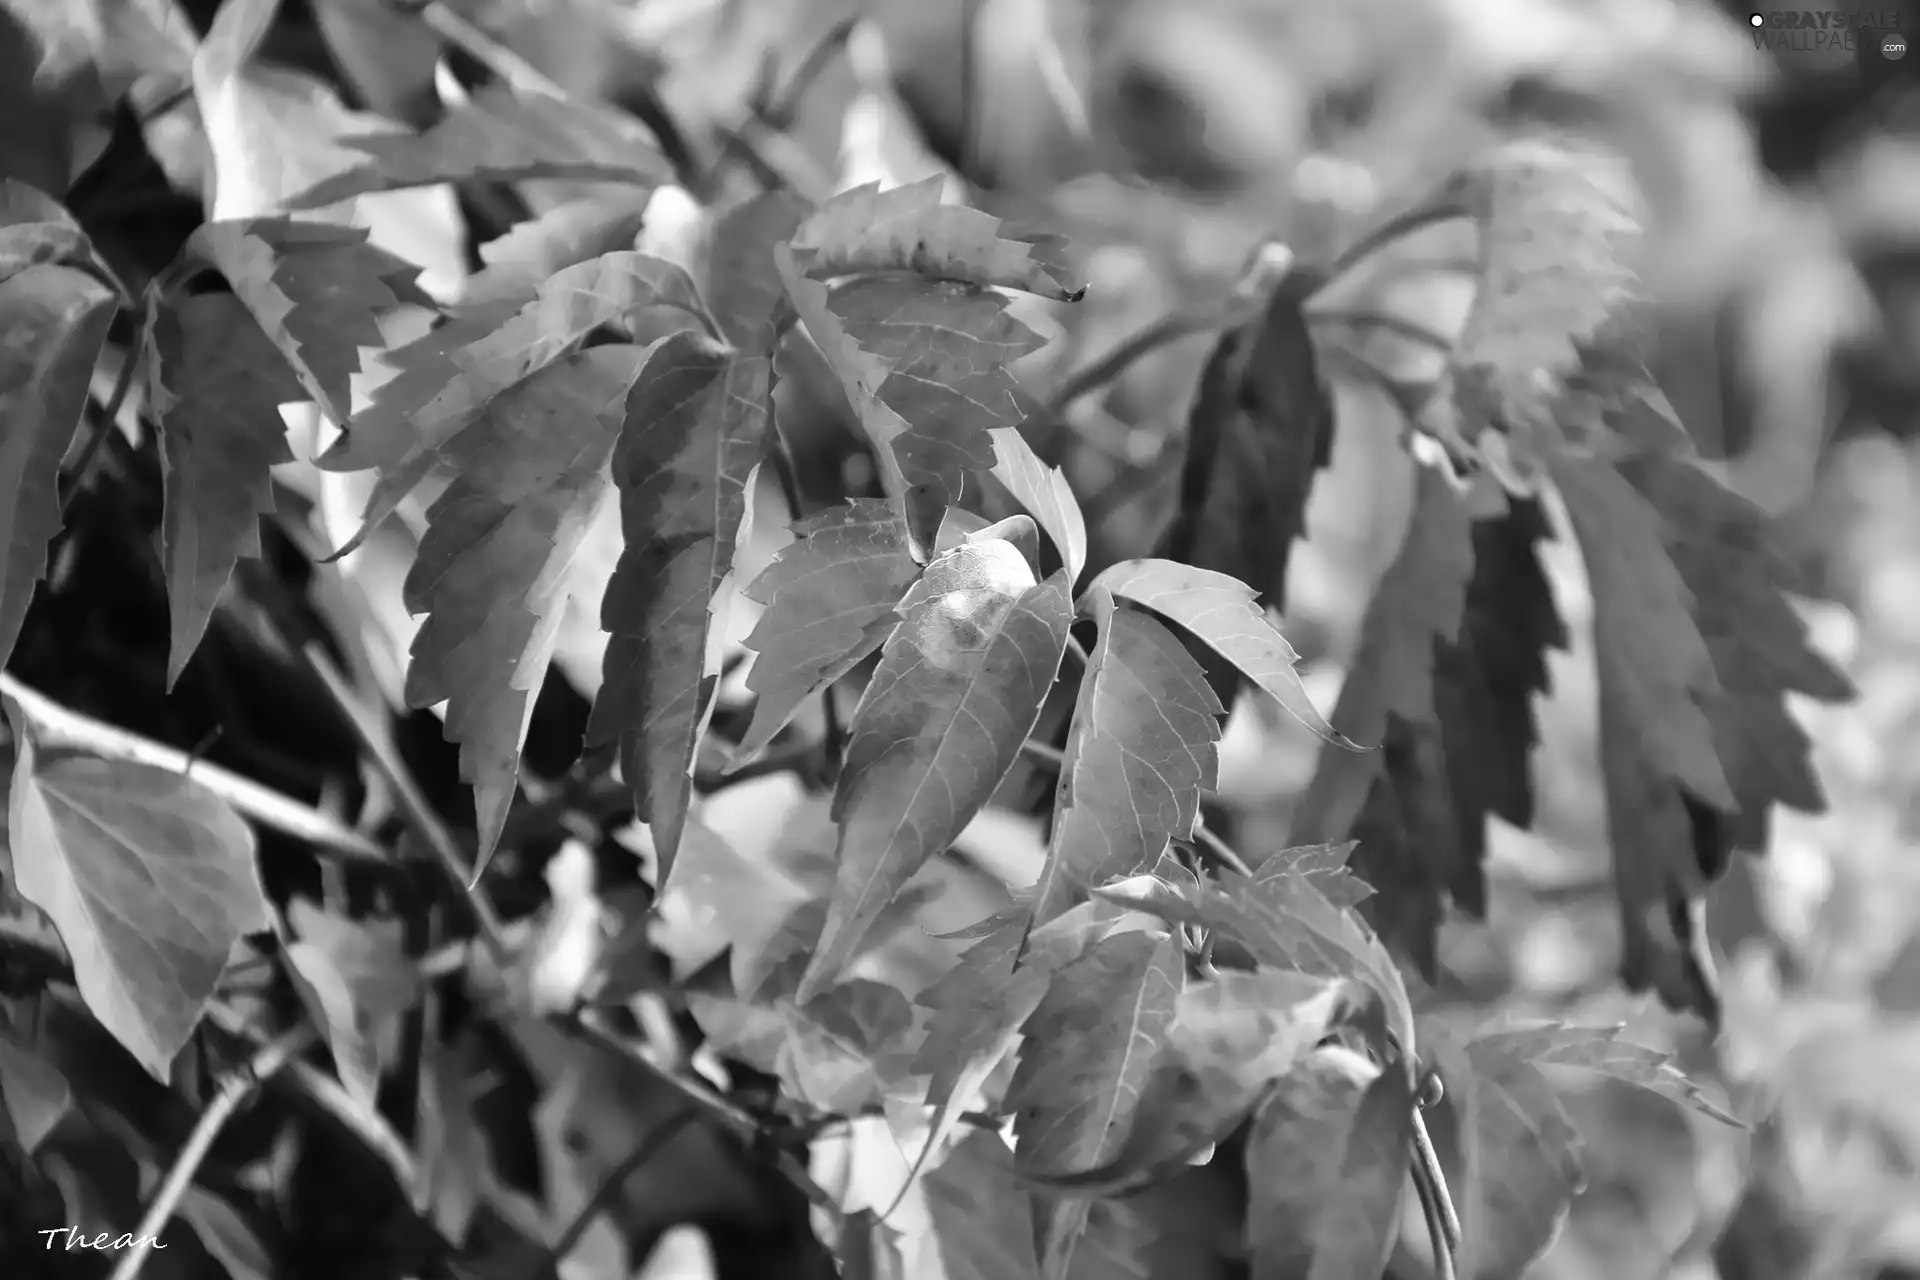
x,y
1168,139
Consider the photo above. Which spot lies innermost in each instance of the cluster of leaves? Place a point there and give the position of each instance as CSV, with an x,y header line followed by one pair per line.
x,y
1140,1005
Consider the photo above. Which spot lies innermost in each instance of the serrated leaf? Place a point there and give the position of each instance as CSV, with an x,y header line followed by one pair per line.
x,y
958,687
498,136
1260,429
1089,1047
692,433
1042,490
492,571
829,598
1324,866
846,1046
1600,1049
1449,658
148,876
1221,612
867,231
315,290
216,383
977,1218
1327,1165
521,260
1232,1036
744,291
35,1092
356,980
449,378
56,320
1143,747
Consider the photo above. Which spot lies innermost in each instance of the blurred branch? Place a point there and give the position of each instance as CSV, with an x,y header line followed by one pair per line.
x,y
103,424
234,1090
519,74
643,1151
1399,326
68,728
1182,322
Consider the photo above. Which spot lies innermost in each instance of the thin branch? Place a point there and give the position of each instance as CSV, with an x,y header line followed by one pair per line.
x,y
1046,753
1183,322
780,112
643,1151
1426,1167
234,1090
102,426
792,757
1387,322
413,803
522,76
1395,228
1222,852
269,808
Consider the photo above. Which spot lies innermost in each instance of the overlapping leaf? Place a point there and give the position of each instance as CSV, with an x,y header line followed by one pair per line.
x,y
959,684
148,876
520,261
492,571
56,321
978,1218
356,979
744,291
693,431
1090,1045
1450,656
867,231
499,136
1232,1036
1221,612
216,382
830,600
1044,492
1326,1166
1143,747
315,290
37,229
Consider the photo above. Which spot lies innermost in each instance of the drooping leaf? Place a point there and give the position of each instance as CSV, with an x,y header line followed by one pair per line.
x,y
743,290
492,571
867,231
315,290
830,600
356,979
959,684
148,876
978,1218
498,136
1089,1047
1044,492
692,433
35,1092
1144,745
520,261
216,383
1221,613
1260,428
55,320
1449,659
1232,1036
1697,648
1327,1165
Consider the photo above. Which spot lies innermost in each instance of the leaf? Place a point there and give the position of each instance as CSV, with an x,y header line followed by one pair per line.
x,y
1327,1165
743,289
1601,1050
1143,747
315,290
496,136
1088,1048
356,980
958,687
1449,659
692,433
844,1047
1324,866
35,1092
148,876
829,598
1232,1036
447,382
216,383
978,1218
55,319
520,261
36,229
1696,647
1260,428
1044,491
492,570
923,365
867,231
1220,612
225,1235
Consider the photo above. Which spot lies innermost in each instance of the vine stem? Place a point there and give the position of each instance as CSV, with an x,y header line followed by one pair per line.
x,y
234,1090
1443,1220
109,415
520,74
643,1151
69,728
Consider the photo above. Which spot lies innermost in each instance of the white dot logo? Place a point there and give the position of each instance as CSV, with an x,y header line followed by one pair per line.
x,y
1893,48
1757,20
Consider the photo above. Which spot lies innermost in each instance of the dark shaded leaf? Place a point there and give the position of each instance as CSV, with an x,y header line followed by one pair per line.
x,y
959,684
497,136
1143,747
35,1092
692,433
